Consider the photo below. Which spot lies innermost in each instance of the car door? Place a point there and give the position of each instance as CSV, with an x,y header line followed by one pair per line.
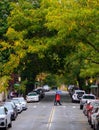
x,y
8,115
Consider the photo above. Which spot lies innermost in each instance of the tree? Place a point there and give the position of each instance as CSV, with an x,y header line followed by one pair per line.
x,y
74,20
58,37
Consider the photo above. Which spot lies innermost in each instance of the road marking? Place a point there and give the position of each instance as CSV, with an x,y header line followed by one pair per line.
x,y
34,106
74,106
51,118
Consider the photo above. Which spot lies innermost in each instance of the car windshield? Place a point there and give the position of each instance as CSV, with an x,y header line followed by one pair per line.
x,y
88,97
80,93
15,101
1,111
32,94
9,107
20,99
96,104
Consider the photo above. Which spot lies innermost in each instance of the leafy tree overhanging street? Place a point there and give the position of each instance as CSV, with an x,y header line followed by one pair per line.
x,y
57,37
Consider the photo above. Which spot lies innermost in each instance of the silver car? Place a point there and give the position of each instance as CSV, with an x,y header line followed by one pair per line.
x,y
32,97
94,121
17,103
22,102
5,118
85,98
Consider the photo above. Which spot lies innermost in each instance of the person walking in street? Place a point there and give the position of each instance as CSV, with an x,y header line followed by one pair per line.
x,y
57,99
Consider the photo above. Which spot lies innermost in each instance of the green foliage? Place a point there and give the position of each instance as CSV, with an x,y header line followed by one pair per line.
x,y
50,80
21,87
4,13
57,36
4,83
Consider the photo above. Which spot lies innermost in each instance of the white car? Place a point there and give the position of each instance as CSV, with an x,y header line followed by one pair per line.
x,y
32,97
22,102
93,119
77,95
97,124
46,88
11,110
85,98
18,104
5,118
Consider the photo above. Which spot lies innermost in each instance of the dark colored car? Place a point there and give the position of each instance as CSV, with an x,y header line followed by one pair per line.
x,y
40,91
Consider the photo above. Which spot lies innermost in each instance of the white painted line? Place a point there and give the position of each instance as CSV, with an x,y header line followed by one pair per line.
x,y
34,106
74,106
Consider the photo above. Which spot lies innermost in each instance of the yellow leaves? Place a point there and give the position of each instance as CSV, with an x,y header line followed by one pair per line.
x,y
14,35
17,43
2,88
4,83
11,64
11,34
4,45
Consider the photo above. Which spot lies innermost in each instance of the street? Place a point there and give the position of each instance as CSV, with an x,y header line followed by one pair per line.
x,y
44,115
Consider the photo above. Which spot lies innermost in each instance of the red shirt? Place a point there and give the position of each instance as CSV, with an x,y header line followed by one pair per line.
x,y
57,97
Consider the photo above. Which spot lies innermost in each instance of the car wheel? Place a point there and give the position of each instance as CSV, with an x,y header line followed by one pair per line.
x,y
81,106
94,127
91,126
10,125
89,121
72,101
97,127
5,128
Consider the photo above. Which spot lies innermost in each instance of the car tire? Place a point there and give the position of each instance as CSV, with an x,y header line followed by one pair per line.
x,y
10,125
97,127
81,106
72,101
5,128
91,126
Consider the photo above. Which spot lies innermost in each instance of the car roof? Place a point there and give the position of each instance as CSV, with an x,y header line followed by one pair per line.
x,y
88,95
33,92
18,98
79,91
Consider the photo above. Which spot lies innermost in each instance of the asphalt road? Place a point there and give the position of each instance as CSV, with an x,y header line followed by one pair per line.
x,y
44,115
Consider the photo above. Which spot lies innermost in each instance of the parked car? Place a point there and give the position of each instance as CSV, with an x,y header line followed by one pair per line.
x,y
5,118
85,98
93,106
13,104
22,102
46,88
11,109
87,107
97,124
77,95
18,104
40,91
94,119
32,97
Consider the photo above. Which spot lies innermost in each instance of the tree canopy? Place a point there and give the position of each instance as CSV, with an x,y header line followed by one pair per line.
x,y
56,36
